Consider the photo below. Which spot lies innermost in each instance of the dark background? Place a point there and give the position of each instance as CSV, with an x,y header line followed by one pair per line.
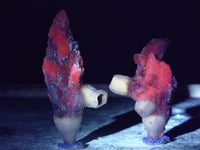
x,y
108,32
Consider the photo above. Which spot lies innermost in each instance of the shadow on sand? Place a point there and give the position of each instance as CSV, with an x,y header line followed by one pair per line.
x,y
191,125
122,122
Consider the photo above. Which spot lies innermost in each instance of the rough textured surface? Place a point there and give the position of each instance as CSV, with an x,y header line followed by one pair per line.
x,y
151,87
62,68
27,124
153,79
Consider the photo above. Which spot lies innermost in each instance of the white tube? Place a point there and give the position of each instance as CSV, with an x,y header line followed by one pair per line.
x,y
119,84
92,97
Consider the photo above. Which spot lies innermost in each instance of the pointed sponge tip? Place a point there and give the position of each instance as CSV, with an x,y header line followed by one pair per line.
x,y
92,97
119,84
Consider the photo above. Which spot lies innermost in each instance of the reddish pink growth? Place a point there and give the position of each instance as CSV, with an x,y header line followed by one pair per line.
x,y
62,68
75,75
57,33
153,79
49,68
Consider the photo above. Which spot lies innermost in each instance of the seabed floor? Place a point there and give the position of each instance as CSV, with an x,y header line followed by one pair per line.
x,y
26,124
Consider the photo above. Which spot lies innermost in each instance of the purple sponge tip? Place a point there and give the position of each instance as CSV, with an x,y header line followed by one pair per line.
x,y
152,141
77,145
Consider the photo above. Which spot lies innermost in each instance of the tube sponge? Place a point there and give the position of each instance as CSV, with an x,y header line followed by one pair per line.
x,y
92,97
119,84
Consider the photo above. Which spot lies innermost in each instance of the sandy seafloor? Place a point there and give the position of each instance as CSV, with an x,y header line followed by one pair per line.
x,y
26,124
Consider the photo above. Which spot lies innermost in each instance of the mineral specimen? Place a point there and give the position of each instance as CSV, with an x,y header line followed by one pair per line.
x,y
63,68
151,87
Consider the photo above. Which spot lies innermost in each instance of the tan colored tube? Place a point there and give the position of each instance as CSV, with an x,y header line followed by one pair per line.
x,y
92,97
119,84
